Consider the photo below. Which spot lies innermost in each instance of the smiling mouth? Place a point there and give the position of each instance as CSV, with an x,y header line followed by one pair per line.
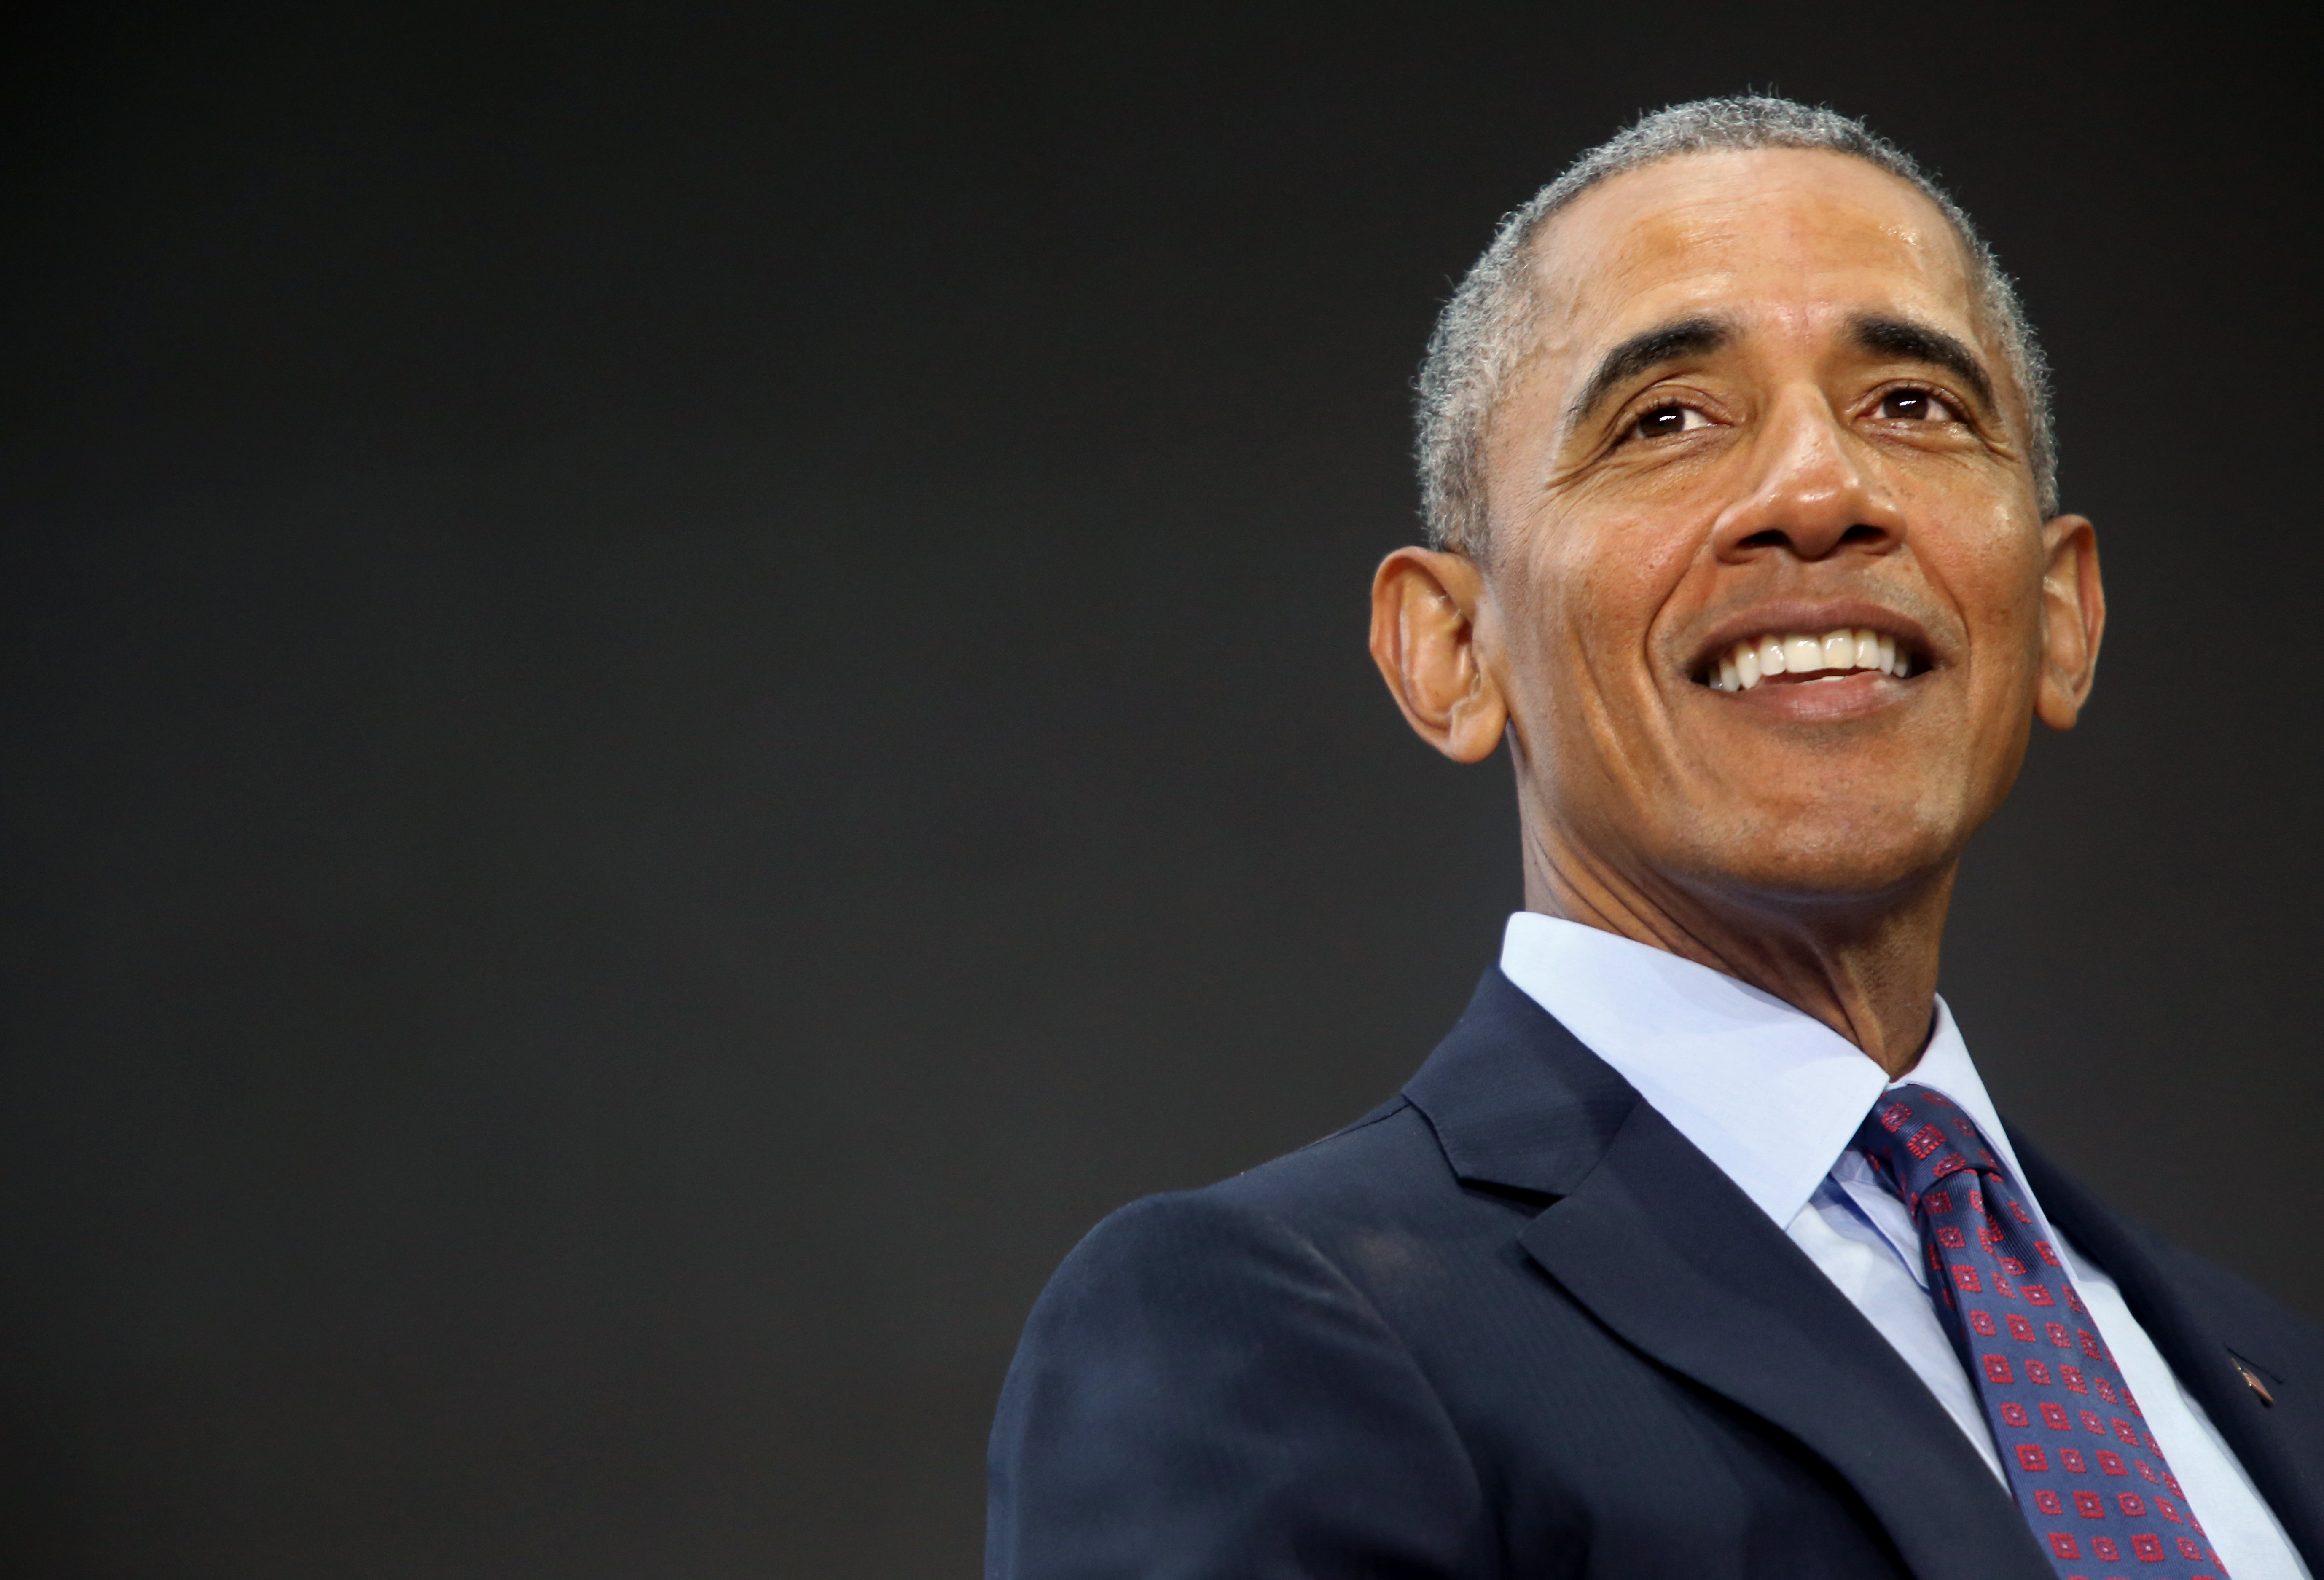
x,y
1796,656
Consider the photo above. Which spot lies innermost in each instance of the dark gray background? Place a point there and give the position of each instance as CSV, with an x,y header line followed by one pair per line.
x,y
682,684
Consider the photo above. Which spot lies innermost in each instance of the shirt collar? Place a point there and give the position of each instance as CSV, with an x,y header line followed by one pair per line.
x,y
1771,1096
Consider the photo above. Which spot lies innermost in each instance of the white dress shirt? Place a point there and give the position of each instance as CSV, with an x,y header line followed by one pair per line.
x,y
1774,1096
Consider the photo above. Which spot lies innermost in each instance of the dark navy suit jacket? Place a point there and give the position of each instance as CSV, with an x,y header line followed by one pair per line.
x,y
1514,1323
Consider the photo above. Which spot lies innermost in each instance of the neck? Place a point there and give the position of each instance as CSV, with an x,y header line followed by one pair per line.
x,y
1867,968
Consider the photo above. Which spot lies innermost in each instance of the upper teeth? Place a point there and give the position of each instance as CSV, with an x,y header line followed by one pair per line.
x,y
1747,664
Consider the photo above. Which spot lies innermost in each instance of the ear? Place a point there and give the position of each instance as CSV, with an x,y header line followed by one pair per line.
x,y
2073,612
1425,606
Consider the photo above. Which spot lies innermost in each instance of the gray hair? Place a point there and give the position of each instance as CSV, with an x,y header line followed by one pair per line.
x,y
1484,332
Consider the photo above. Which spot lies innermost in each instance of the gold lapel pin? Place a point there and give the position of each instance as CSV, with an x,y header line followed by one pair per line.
x,y
2252,1378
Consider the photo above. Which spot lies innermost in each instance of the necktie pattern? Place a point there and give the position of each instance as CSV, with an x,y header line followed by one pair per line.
x,y
2087,1475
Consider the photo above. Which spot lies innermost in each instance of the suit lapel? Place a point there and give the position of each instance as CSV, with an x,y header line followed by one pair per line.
x,y
1665,1250
2201,1340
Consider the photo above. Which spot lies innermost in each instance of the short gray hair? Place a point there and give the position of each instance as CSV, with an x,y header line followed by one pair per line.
x,y
1483,334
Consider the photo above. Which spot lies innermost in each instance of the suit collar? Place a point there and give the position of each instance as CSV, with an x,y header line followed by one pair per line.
x,y
1649,1236
1516,1103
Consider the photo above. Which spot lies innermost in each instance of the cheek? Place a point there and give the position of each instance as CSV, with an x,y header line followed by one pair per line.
x,y
1607,580
1993,573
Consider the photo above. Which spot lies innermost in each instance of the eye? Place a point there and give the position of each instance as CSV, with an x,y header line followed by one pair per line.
x,y
1916,405
1664,421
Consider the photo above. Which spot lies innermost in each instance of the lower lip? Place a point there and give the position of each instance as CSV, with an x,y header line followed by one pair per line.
x,y
1844,696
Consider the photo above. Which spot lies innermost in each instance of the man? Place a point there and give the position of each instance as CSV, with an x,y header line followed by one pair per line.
x,y
1697,1248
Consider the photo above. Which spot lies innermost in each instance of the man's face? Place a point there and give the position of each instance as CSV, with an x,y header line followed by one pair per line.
x,y
1763,408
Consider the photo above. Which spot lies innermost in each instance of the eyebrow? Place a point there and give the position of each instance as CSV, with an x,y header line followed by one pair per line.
x,y
1905,339
1696,337
1645,351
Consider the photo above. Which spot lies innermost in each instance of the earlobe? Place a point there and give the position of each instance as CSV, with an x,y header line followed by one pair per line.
x,y
1424,607
2074,608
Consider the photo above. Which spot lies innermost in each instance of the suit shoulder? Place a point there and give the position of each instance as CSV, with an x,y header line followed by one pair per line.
x,y
1388,1154
2242,1307
1295,1217
1393,1142
1203,1379
1388,1161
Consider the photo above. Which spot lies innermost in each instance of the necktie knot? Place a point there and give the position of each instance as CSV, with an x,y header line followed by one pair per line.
x,y
1915,1137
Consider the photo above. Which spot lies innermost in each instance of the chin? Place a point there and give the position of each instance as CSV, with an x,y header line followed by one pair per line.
x,y
1841,857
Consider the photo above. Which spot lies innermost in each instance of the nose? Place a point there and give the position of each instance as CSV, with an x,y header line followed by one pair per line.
x,y
1811,495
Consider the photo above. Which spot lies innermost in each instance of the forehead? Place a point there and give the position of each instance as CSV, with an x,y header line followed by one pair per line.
x,y
1781,239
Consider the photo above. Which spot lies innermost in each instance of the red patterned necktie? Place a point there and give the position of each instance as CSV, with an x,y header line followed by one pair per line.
x,y
2087,1475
